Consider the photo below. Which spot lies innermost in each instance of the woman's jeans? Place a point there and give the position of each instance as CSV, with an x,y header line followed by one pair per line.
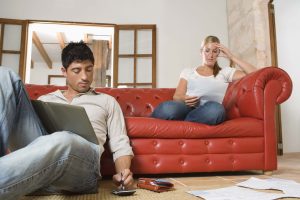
x,y
211,113
52,163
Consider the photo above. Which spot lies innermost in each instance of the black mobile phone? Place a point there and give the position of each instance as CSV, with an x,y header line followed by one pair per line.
x,y
123,192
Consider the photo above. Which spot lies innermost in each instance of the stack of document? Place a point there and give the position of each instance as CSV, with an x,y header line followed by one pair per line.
x,y
288,188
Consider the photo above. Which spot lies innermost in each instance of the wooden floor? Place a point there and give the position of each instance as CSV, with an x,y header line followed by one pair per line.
x,y
288,168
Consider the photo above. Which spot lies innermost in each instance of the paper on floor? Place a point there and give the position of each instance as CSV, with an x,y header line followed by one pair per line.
x,y
288,187
234,193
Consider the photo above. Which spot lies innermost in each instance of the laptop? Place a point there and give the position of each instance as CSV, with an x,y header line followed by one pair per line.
x,y
64,117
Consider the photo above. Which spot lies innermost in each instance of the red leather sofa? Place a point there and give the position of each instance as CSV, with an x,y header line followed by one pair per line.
x,y
245,141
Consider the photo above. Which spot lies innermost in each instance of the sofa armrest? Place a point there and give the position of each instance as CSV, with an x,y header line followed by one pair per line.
x,y
252,95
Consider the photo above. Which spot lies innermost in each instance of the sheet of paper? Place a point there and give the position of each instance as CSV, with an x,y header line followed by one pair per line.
x,y
265,184
289,187
234,193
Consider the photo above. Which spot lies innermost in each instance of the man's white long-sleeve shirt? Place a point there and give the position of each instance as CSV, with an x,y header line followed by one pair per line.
x,y
106,118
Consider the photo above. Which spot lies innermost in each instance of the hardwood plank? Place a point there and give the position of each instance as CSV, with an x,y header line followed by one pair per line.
x,y
134,55
61,39
41,49
11,52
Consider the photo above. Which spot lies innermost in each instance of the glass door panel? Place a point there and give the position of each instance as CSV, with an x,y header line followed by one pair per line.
x,y
144,70
11,60
12,37
126,70
126,42
144,41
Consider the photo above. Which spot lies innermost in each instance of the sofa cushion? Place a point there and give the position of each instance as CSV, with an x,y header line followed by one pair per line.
x,y
145,127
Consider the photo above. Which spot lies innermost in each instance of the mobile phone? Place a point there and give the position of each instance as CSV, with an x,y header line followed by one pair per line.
x,y
123,192
162,182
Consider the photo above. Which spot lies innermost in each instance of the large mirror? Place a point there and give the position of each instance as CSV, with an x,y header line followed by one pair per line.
x,y
46,40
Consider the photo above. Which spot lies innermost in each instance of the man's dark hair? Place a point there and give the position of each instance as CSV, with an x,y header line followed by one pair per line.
x,y
76,51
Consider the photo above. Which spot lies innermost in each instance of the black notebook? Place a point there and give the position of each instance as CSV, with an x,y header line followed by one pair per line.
x,y
64,117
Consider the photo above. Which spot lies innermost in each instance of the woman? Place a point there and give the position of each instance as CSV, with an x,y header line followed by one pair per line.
x,y
200,91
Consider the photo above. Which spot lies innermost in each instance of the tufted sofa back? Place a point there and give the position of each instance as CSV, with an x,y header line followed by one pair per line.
x,y
138,102
244,98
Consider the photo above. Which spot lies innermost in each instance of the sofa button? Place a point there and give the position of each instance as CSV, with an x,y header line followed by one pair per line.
x,y
155,162
206,142
182,162
244,90
154,143
180,143
230,142
207,161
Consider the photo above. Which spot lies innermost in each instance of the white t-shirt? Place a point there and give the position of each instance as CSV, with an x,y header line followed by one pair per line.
x,y
208,88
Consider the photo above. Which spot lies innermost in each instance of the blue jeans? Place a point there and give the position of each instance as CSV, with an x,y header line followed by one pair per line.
x,y
211,113
53,163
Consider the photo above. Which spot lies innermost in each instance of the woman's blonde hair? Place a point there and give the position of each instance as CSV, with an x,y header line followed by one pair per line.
x,y
213,39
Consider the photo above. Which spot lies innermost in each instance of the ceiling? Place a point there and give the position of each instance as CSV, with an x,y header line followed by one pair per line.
x,y
48,40
50,44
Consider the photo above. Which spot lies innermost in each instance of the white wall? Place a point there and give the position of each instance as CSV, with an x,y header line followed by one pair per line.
x,y
181,24
287,17
39,73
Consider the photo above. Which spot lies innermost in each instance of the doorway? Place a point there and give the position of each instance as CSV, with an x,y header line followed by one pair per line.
x,y
45,41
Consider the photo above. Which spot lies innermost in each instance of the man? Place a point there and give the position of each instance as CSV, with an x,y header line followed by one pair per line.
x,y
61,161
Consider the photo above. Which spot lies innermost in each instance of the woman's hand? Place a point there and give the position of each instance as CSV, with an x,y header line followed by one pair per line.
x,y
245,67
224,51
191,101
124,179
